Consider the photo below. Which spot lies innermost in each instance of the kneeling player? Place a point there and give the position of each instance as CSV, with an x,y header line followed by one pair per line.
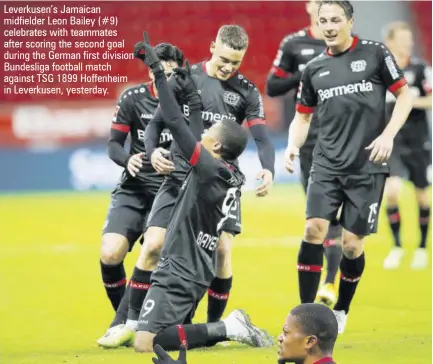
x,y
132,198
187,264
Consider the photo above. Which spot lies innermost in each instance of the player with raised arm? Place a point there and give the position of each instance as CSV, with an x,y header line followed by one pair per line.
x,y
346,86
226,95
133,196
295,51
186,267
411,156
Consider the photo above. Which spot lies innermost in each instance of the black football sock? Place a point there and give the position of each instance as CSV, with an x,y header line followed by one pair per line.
x,y
122,310
218,295
114,279
310,263
191,336
394,223
424,221
139,285
351,272
333,255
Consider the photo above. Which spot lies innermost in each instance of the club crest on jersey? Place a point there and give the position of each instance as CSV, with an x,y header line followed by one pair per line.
x,y
358,66
231,98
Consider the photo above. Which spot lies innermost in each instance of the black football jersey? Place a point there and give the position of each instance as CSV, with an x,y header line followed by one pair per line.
x,y
135,108
295,51
415,131
348,91
237,99
208,194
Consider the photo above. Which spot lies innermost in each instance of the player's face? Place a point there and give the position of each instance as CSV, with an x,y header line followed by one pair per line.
x,y
293,343
210,140
402,43
225,60
336,28
168,68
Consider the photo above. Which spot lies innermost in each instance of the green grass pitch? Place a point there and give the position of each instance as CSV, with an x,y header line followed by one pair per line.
x,y
53,306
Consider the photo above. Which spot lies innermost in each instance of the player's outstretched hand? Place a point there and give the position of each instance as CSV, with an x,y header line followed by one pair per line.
x,y
289,157
145,52
381,148
164,358
184,79
135,163
160,162
266,177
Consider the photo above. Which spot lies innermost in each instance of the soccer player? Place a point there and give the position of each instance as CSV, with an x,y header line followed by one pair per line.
x,y
411,156
347,84
309,335
226,95
187,265
295,51
133,196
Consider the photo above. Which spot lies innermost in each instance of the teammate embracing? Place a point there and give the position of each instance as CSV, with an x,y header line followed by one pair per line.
x,y
133,196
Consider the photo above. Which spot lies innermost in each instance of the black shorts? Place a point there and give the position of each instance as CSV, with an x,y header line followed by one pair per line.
x,y
414,165
359,196
166,199
305,161
171,300
128,212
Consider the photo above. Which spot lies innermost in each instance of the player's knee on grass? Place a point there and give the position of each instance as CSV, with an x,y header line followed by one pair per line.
x,y
151,250
353,245
114,248
316,230
143,342
224,255
393,188
423,197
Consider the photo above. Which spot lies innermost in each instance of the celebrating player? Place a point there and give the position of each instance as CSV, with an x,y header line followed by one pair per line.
x,y
295,51
226,95
132,198
411,156
347,84
187,266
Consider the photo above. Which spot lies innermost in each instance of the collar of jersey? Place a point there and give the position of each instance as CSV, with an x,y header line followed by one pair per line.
x,y
149,86
324,360
351,48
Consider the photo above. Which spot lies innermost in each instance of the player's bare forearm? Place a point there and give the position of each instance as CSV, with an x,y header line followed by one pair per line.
x,y
277,86
424,103
265,147
298,130
116,149
173,117
153,132
402,108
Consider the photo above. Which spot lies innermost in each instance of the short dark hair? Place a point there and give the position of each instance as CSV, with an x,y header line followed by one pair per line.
x,y
233,139
345,5
393,27
168,52
318,320
233,36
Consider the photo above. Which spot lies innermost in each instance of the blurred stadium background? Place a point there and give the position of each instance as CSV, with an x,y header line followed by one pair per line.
x,y
50,245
